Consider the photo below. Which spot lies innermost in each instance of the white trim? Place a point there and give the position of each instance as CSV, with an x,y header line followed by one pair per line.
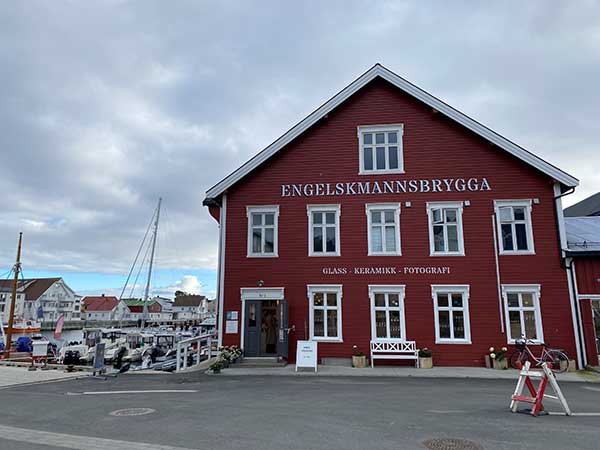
x,y
399,289
337,209
221,268
462,289
576,313
397,128
562,230
370,207
311,289
534,289
459,225
262,293
593,297
267,209
270,293
379,71
524,203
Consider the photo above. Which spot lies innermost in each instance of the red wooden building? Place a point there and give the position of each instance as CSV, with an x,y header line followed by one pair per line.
x,y
387,216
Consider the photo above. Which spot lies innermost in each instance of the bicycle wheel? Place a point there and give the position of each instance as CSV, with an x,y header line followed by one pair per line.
x,y
518,359
557,361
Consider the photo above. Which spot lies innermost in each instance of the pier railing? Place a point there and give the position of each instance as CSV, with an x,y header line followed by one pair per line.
x,y
198,346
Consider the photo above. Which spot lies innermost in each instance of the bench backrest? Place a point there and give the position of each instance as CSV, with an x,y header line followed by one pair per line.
x,y
394,346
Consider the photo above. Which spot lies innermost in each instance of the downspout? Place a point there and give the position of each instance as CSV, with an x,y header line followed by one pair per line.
x,y
221,268
498,282
567,264
577,324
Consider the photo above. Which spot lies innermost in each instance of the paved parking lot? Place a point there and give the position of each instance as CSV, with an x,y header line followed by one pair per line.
x,y
196,411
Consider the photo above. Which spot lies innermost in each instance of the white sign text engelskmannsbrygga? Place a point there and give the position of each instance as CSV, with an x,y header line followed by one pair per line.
x,y
385,187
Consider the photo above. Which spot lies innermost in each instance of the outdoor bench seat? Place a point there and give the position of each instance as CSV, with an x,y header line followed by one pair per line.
x,y
394,350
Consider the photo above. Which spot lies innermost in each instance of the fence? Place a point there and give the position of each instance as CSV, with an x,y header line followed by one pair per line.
x,y
188,347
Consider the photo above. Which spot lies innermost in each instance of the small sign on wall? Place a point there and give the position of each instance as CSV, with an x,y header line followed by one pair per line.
x,y
306,354
231,327
232,315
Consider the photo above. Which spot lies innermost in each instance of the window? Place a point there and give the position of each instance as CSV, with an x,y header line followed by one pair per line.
x,y
325,312
445,229
380,149
387,313
262,230
383,228
522,308
451,308
323,230
515,232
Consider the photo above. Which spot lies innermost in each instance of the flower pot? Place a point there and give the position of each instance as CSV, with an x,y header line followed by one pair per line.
x,y
488,362
359,361
500,364
426,363
216,371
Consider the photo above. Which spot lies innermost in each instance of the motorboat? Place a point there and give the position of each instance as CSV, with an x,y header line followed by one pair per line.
x,y
22,326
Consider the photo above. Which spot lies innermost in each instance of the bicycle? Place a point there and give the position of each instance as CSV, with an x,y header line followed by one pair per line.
x,y
556,359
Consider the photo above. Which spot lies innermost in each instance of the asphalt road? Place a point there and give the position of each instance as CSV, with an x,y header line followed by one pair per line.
x,y
269,413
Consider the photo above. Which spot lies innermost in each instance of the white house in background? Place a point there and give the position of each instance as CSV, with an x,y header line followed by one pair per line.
x,y
165,313
48,297
189,307
104,308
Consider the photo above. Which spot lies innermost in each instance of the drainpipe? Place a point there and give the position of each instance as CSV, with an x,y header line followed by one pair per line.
x,y
567,264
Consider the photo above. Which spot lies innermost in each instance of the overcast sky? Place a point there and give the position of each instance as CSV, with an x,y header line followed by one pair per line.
x,y
107,105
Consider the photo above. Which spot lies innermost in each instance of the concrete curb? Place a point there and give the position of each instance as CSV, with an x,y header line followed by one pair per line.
x,y
393,372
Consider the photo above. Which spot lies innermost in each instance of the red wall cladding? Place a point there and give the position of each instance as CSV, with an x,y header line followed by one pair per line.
x,y
588,275
434,147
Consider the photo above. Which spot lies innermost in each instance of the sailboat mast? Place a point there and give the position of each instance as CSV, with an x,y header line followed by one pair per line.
x,y
11,317
155,233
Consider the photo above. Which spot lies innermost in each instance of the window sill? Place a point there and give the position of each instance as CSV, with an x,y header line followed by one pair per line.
x,y
321,339
321,255
447,254
381,172
517,253
274,255
384,254
453,341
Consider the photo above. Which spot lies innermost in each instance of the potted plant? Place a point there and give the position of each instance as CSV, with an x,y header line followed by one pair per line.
x,y
225,356
216,366
498,358
236,354
425,359
359,360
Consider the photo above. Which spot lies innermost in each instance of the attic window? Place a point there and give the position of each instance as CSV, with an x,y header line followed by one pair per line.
x,y
380,149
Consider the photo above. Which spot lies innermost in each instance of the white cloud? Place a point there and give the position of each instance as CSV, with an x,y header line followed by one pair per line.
x,y
105,109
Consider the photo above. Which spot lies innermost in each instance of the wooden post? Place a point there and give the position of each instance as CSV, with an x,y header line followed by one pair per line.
x,y
11,316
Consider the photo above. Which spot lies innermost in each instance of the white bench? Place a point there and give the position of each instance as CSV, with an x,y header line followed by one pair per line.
x,y
394,350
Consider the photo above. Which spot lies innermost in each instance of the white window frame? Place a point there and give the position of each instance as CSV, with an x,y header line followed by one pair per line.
x,y
398,128
369,208
387,289
270,209
534,289
459,224
312,289
529,226
337,209
451,289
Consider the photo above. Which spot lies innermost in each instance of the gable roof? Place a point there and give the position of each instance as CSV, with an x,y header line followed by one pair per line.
x,y
33,288
379,71
587,207
188,300
100,303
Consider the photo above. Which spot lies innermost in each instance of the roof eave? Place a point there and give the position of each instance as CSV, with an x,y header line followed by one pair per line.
x,y
379,71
